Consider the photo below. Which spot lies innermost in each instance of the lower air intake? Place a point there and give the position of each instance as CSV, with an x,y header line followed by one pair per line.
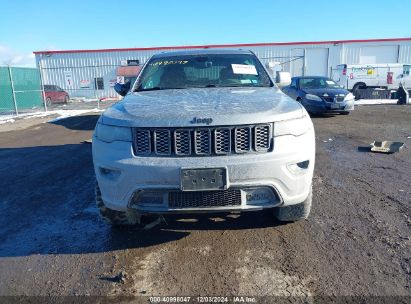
x,y
204,199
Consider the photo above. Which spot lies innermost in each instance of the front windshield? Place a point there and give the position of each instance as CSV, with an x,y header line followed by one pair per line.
x,y
202,71
318,83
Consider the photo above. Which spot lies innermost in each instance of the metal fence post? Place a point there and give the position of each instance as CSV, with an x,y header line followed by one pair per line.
x,y
42,85
96,88
12,90
346,73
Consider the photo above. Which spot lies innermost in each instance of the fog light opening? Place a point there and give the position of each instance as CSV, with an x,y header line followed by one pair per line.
x,y
299,167
259,196
148,198
304,164
109,173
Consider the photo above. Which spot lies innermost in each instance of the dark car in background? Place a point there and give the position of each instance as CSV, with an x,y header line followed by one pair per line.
x,y
320,95
55,94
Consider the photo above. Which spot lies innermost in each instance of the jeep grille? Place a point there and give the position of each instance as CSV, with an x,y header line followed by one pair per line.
x,y
202,141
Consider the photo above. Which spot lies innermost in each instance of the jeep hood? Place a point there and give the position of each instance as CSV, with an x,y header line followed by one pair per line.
x,y
225,106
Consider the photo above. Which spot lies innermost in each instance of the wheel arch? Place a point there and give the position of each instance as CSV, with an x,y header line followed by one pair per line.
x,y
359,84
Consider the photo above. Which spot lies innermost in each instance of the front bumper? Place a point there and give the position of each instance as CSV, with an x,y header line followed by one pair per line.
x,y
327,107
122,176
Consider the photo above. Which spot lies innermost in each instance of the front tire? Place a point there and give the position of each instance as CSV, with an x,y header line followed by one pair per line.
x,y
48,101
296,212
114,217
66,99
345,113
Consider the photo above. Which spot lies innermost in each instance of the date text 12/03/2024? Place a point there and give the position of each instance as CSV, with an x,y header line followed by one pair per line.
x,y
203,299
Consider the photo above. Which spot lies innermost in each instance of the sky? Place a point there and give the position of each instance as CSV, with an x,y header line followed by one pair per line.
x,y
27,26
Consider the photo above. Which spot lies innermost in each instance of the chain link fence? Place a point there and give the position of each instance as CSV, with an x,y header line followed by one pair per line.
x,y
29,90
20,90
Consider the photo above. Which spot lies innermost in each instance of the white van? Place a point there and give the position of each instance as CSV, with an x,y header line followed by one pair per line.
x,y
381,75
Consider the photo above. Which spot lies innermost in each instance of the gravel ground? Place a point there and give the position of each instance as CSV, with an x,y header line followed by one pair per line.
x,y
356,242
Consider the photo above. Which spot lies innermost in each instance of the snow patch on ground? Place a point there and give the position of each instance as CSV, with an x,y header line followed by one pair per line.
x,y
68,113
83,99
375,101
62,114
8,120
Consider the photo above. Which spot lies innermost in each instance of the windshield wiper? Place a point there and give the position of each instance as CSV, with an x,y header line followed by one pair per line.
x,y
150,89
205,86
242,86
159,88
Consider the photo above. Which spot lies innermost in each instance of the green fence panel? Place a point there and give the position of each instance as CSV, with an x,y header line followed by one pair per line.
x,y
6,93
27,87
29,100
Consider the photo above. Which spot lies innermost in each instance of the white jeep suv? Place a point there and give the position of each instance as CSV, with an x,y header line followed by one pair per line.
x,y
203,131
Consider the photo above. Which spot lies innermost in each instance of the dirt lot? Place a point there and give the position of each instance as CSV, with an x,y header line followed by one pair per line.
x,y
357,241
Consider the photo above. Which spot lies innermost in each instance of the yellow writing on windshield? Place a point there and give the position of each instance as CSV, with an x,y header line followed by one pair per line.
x,y
168,62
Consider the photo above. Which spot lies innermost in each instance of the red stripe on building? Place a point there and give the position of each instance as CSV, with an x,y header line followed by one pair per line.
x,y
224,46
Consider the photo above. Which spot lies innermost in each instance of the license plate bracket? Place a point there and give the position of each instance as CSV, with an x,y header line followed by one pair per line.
x,y
203,179
335,106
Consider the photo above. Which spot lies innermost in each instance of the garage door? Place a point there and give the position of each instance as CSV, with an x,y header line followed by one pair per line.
x,y
297,63
379,54
316,62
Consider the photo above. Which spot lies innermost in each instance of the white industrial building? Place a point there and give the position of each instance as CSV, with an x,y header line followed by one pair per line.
x,y
92,73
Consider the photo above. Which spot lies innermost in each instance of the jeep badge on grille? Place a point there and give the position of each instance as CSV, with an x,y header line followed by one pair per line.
x,y
196,120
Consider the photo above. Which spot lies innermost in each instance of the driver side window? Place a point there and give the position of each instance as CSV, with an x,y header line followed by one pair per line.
x,y
407,69
293,84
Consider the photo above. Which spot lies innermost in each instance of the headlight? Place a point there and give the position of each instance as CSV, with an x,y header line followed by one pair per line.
x,y
294,127
349,96
111,133
313,97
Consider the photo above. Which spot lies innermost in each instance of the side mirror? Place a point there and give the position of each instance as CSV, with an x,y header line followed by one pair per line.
x,y
283,79
122,89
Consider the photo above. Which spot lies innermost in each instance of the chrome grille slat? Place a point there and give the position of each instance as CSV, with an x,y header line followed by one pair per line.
x,y
242,139
262,138
202,141
222,141
142,142
182,142
162,142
